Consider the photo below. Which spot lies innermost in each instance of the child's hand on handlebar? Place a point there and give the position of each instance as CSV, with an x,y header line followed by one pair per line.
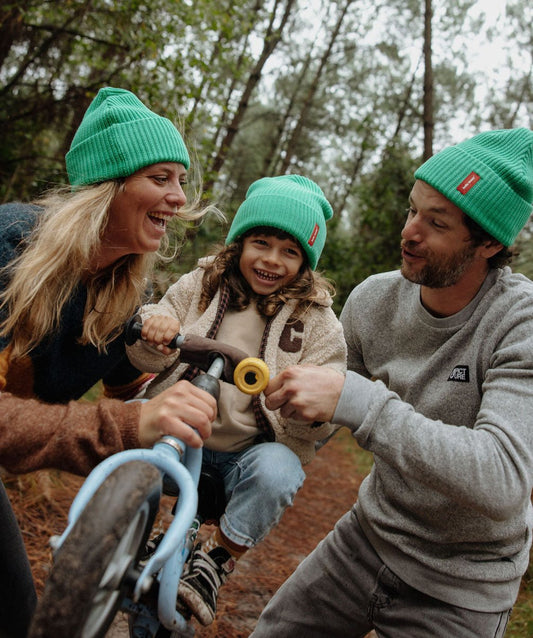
x,y
159,330
183,410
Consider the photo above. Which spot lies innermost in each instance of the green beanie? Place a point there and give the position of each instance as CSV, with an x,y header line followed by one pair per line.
x,y
291,203
489,177
119,135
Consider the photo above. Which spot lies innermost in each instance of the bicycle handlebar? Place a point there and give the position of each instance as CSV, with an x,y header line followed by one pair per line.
x,y
249,374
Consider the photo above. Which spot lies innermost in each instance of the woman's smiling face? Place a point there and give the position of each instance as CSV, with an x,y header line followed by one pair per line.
x,y
269,263
139,213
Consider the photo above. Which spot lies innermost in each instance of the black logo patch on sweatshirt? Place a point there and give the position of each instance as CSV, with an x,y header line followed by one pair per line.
x,y
460,373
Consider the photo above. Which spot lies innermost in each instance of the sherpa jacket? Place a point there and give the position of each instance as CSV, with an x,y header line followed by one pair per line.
x,y
449,420
317,338
59,368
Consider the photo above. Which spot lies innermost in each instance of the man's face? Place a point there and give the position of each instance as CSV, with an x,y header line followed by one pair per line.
x,y
436,246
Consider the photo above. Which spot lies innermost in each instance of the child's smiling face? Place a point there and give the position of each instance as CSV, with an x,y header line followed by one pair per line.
x,y
269,263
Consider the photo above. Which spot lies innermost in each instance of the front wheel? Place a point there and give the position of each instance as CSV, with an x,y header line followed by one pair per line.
x,y
86,584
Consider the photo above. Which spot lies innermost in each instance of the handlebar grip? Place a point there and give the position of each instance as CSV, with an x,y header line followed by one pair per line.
x,y
133,332
209,383
251,375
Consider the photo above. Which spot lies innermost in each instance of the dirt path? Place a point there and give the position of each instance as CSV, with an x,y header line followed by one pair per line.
x,y
329,490
41,502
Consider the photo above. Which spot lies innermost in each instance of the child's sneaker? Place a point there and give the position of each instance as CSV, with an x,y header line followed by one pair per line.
x,y
198,588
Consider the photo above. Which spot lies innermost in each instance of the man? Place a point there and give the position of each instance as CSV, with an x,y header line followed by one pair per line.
x,y
440,390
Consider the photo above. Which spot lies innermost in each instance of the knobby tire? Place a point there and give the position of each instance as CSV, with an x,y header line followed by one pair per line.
x,y
115,524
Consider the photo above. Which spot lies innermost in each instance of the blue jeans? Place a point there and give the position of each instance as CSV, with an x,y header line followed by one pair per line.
x,y
260,483
343,590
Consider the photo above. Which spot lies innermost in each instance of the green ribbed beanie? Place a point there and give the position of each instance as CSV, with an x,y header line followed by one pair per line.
x,y
119,135
291,203
489,177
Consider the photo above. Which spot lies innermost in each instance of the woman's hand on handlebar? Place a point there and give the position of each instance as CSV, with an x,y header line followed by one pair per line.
x,y
159,330
183,410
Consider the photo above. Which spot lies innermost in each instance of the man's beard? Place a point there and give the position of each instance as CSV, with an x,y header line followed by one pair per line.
x,y
439,272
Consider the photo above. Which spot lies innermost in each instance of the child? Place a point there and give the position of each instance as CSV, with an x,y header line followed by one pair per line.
x,y
259,293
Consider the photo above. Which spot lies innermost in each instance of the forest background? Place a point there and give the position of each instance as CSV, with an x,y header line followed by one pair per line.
x,y
352,93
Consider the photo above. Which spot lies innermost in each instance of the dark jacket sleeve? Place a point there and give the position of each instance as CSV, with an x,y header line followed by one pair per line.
x,y
73,437
16,224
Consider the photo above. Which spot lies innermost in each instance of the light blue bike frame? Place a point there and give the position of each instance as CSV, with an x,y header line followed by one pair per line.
x,y
182,464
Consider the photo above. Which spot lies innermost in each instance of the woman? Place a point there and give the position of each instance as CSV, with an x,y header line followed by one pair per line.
x,y
81,269
75,267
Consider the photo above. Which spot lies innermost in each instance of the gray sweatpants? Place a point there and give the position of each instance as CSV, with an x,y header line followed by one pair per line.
x,y
343,589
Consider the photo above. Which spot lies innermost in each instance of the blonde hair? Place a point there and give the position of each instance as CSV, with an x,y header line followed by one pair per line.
x,y
56,259
308,287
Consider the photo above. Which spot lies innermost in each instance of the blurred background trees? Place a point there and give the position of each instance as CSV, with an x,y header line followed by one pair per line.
x,y
351,93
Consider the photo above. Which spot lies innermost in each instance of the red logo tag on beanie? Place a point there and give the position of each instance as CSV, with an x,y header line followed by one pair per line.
x,y
467,183
314,235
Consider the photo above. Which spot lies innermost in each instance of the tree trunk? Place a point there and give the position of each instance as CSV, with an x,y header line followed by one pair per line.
x,y
428,84
272,38
402,112
273,157
308,101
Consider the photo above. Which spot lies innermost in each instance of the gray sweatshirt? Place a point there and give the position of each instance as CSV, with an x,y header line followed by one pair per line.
x,y
448,416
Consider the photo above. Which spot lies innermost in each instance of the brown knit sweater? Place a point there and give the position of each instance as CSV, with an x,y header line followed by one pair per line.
x,y
73,437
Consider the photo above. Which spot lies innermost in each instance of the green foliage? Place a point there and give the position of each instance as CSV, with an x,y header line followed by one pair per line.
x,y
524,247
368,240
362,459
355,99
521,621
94,393
384,196
55,56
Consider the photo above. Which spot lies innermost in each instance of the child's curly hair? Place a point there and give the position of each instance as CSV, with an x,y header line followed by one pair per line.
x,y
308,287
